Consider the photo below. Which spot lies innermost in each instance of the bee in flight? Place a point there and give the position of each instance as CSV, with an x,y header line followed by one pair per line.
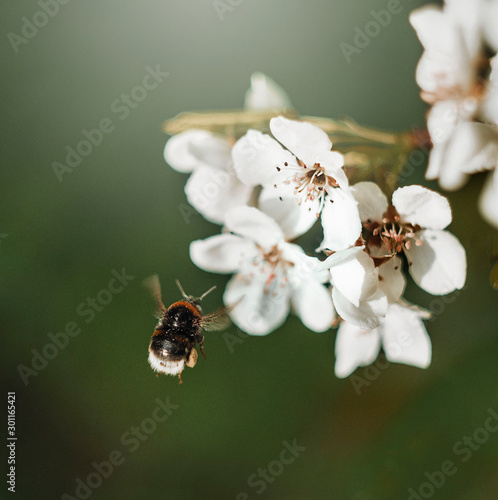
x,y
179,330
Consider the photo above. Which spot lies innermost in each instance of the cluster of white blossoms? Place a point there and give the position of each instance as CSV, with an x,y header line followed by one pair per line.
x,y
458,76
267,190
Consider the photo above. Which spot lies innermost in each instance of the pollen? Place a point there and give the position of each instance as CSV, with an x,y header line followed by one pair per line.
x,y
394,234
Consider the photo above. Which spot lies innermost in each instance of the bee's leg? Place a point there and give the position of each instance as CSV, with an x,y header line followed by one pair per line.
x,y
202,351
180,377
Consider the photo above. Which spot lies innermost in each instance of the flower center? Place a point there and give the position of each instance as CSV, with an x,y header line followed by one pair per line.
x,y
271,264
309,183
391,234
472,93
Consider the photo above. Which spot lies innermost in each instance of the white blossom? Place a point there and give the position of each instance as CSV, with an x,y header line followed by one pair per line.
x,y
449,75
414,225
299,182
271,276
402,333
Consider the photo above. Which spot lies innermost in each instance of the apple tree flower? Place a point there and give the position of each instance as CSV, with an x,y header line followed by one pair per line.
x,y
271,276
402,333
413,225
450,74
301,182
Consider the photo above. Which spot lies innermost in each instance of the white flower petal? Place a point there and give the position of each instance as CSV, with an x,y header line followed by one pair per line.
x,y
452,41
442,121
254,311
341,257
372,202
467,16
355,276
445,62
490,20
266,94
179,153
450,178
211,150
340,221
488,201
439,265
280,203
489,106
214,192
303,139
331,161
304,267
354,347
432,28
421,206
312,302
404,337
368,314
477,148
255,225
223,253
391,279
258,159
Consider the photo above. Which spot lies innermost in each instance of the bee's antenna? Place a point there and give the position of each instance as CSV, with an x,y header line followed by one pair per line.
x,y
205,293
181,289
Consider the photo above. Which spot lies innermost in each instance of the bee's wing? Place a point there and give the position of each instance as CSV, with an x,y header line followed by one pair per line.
x,y
217,320
152,284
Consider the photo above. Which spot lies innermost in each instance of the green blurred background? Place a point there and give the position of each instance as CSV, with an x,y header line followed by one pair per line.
x,y
120,208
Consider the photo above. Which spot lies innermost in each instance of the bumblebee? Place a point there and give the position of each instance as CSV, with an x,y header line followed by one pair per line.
x,y
179,330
